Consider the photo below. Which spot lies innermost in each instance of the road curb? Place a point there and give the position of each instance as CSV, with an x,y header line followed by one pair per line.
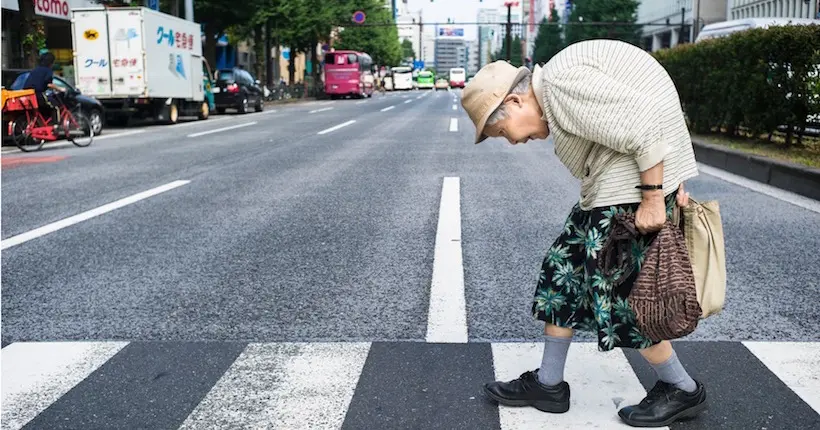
x,y
787,176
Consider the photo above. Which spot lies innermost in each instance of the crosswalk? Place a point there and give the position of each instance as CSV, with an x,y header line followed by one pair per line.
x,y
382,385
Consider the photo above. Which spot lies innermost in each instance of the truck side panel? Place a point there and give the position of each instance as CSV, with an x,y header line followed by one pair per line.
x,y
92,65
169,44
127,61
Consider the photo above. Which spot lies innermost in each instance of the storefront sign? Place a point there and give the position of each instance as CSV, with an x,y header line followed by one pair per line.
x,y
60,9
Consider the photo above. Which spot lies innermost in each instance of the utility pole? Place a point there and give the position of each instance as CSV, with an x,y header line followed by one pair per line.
x,y
189,10
682,18
509,6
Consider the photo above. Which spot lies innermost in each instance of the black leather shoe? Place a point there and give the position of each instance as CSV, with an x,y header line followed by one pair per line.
x,y
527,391
663,405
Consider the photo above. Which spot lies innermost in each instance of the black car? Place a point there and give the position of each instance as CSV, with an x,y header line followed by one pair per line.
x,y
92,107
237,89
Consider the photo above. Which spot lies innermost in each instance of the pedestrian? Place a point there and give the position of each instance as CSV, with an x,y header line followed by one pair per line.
x,y
617,124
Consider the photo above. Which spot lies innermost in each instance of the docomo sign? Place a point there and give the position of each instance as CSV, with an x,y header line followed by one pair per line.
x,y
53,8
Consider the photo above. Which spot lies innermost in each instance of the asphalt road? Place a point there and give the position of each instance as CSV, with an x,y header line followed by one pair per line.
x,y
317,222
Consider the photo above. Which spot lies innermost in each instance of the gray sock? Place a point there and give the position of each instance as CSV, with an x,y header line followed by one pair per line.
x,y
551,371
672,372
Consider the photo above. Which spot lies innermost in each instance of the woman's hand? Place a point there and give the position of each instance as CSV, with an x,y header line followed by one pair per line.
x,y
651,213
683,197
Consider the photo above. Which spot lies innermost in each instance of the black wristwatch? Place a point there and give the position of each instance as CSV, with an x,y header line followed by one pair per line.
x,y
649,187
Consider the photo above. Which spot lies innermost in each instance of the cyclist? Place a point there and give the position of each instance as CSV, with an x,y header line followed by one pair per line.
x,y
40,79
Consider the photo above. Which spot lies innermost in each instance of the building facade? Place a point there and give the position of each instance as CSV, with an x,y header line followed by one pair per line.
x,y
739,9
57,18
668,23
488,19
450,52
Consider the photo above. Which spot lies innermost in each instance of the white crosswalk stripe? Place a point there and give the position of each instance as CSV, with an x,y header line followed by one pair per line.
x,y
35,375
601,383
797,364
298,385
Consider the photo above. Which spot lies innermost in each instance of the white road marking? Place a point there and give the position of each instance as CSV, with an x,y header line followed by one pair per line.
x,y
336,127
123,134
447,316
795,363
602,383
407,101
361,102
321,110
66,144
160,127
36,374
786,196
294,385
67,222
388,108
217,130
455,107
453,124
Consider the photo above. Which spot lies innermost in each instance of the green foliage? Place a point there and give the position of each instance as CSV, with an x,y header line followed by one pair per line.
x,y
599,11
407,49
549,40
380,42
757,79
515,52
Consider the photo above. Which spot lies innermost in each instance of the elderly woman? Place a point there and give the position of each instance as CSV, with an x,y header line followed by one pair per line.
x,y
617,125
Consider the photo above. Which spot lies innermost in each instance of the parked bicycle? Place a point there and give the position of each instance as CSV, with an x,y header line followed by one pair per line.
x,y
30,129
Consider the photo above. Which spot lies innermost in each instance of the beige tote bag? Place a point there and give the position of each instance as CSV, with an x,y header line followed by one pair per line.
x,y
703,232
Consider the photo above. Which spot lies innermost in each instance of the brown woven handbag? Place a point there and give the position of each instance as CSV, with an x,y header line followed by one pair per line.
x,y
663,296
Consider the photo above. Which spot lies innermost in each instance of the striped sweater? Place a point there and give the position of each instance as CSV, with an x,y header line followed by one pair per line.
x,y
613,112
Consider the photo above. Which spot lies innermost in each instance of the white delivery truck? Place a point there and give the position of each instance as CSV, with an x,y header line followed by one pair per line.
x,y
139,63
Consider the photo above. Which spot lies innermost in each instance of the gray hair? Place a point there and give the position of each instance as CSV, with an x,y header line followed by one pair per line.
x,y
522,87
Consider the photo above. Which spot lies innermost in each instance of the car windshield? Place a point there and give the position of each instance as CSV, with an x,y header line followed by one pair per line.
x,y
225,76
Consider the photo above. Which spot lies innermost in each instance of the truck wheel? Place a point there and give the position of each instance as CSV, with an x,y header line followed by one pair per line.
x,y
204,111
173,113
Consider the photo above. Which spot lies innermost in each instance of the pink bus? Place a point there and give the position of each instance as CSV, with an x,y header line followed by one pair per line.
x,y
347,73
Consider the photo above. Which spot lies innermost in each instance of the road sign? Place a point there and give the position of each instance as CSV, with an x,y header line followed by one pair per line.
x,y
418,65
358,17
153,4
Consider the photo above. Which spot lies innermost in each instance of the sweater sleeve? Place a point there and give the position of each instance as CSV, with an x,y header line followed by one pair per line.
x,y
590,104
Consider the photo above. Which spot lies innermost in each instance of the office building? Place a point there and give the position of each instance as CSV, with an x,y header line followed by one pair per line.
x,y
486,34
739,9
672,22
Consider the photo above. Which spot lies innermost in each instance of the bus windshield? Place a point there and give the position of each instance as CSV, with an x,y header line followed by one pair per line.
x,y
402,78
457,76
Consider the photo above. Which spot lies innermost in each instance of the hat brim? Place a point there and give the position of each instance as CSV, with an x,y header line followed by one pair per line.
x,y
479,130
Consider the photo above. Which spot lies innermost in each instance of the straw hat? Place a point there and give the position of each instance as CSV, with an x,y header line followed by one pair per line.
x,y
488,88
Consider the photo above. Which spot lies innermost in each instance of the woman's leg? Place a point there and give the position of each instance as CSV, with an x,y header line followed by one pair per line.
x,y
668,367
556,347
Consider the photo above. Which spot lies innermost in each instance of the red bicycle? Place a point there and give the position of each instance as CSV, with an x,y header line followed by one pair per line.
x,y
30,129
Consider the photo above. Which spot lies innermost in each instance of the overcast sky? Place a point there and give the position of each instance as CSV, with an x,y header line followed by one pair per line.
x,y
458,10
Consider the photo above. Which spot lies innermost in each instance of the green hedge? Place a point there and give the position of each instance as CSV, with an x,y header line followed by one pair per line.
x,y
757,79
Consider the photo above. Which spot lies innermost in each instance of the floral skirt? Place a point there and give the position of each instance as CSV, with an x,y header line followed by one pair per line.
x,y
573,293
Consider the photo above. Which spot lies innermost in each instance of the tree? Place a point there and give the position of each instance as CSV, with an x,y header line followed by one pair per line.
x,y
407,49
516,52
216,17
381,42
34,31
599,11
549,40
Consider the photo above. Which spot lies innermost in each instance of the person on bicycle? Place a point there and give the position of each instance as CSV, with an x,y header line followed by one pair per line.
x,y
41,79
